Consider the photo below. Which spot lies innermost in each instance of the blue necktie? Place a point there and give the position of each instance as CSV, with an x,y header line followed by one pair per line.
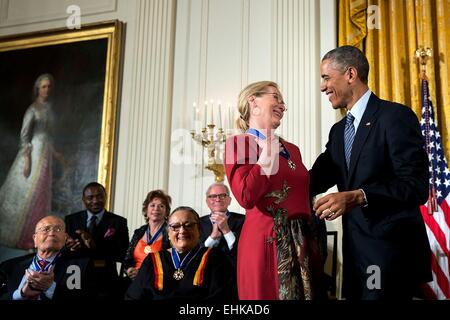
x,y
349,136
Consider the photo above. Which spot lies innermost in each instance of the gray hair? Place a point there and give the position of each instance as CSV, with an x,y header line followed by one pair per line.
x,y
348,56
218,184
37,83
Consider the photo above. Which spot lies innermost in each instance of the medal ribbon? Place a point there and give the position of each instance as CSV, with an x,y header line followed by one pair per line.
x,y
185,261
38,267
254,132
155,236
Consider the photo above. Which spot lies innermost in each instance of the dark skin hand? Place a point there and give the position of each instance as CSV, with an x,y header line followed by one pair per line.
x,y
336,204
75,244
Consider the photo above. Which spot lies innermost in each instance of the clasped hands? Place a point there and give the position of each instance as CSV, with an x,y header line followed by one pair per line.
x,y
37,282
75,244
333,205
220,224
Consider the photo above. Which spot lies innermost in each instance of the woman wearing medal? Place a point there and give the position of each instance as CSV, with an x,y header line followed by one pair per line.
x,y
152,236
185,271
278,253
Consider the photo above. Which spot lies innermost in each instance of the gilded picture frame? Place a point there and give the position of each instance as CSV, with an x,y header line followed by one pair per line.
x,y
85,67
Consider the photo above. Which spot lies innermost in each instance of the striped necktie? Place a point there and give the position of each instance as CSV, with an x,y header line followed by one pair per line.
x,y
349,136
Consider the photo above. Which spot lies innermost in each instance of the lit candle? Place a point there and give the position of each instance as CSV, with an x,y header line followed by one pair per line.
x,y
220,115
212,112
194,115
205,113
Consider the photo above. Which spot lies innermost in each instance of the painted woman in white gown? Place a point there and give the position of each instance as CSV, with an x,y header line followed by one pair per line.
x,y
25,196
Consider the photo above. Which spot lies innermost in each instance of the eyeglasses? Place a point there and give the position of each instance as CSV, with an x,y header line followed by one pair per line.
x,y
220,196
188,226
47,229
274,94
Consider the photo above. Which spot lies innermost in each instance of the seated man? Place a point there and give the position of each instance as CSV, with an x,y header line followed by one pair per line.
x,y
51,273
102,236
221,228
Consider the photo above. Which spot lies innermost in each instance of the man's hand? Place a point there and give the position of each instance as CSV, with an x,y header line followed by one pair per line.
x,y
39,281
221,220
336,204
86,238
73,244
215,233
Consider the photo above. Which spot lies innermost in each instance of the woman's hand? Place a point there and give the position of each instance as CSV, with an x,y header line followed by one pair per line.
x,y
270,155
132,272
27,165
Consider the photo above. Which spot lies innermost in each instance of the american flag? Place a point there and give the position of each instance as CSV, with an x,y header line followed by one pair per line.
x,y
436,212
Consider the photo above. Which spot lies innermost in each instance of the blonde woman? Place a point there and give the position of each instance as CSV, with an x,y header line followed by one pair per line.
x,y
278,255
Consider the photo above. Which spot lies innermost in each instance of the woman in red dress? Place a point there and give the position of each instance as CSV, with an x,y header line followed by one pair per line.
x,y
278,254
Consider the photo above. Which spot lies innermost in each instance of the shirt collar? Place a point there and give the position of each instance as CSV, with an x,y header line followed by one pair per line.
x,y
98,215
49,259
359,107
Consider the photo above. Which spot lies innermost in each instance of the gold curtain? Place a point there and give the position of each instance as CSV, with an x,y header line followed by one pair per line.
x,y
389,32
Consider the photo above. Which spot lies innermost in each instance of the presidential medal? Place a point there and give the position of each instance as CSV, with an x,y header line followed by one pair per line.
x,y
178,274
147,249
291,164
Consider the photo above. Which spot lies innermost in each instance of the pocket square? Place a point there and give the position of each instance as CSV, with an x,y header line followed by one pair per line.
x,y
109,233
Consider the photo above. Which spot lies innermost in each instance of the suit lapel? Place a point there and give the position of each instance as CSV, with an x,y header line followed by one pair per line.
x,y
364,128
84,217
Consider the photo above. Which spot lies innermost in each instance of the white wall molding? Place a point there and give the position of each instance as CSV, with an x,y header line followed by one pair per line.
x,y
23,12
144,136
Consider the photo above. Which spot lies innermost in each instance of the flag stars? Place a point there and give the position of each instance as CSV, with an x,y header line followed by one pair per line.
x,y
447,183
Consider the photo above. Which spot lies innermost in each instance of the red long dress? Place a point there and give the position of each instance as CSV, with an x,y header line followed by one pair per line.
x,y
275,246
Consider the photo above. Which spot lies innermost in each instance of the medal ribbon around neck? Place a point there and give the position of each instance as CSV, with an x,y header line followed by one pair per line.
x,y
283,151
38,268
176,259
155,236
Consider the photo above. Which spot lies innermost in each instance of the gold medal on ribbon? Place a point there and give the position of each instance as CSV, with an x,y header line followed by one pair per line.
x,y
178,274
291,164
147,249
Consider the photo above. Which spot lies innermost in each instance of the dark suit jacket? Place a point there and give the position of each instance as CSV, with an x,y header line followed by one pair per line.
x,y
389,162
111,240
111,236
235,222
14,270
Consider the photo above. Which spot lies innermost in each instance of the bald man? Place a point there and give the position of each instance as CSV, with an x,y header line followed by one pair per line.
x,y
51,273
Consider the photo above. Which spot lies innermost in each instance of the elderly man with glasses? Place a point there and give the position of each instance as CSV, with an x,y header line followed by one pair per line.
x,y
51,273
221,228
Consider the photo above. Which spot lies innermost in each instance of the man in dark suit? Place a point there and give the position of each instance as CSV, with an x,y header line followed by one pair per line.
x,y
100,235
376,157
51,272
221,228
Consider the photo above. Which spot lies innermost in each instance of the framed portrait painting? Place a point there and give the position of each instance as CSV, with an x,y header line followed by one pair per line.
x,y
58,112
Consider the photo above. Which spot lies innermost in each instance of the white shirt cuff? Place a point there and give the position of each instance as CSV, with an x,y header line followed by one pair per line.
x,y
230,238
210,242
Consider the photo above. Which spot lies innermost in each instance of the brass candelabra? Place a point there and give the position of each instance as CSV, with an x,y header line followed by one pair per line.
x,y
212,141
